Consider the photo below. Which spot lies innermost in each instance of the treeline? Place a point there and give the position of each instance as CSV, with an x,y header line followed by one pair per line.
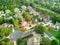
x,y
53,5
11,4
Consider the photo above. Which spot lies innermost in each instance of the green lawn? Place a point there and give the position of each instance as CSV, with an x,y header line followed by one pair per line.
x,y
21,42
55,34
6,41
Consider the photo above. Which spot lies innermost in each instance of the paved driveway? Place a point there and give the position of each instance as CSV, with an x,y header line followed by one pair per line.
x,y
18,34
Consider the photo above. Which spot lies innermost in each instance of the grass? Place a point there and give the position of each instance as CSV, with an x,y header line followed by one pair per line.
x,y
21,42
55,34
6,41
10,43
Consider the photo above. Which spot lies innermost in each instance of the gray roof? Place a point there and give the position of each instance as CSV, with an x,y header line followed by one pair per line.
x,y
57,24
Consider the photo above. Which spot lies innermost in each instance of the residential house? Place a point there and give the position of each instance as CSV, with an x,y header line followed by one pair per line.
x,y
30,8
7,11
16,10
26,25
24,8
32,11
35,40
1,12
10,17
4,25
47,20
57,26
17,15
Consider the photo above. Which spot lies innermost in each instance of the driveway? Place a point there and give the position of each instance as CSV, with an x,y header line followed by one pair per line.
x,y
18,34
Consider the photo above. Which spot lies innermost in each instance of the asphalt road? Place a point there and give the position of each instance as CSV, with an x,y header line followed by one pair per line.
x,y
18,34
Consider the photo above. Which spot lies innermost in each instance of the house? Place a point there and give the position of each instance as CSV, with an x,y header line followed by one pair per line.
x,y
4,25
17,15
47,20
35,40
37,13
16,10
23,24
32,11
57,26
23,8
1,12
10,17
29,8
7,11
26,25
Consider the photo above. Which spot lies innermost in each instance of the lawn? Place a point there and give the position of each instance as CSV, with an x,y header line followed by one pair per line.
x,y
6,41
55,34
21,42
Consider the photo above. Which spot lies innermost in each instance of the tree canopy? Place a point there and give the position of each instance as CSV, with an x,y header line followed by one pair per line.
x,y
40,29
54,42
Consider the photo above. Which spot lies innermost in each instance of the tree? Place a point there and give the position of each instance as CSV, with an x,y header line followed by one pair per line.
x,y
54,19
45,41
4,31
6,41
54,42
1,20
11,20
26,16
21,42
15,21
23,29
58,36
40,29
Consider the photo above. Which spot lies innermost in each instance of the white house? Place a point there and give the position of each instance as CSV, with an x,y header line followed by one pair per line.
x,y
16,10
47,20
57,26
10,17
24,8
7,11
1,12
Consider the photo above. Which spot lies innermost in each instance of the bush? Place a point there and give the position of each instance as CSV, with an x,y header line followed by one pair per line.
x,y
40,29
54,42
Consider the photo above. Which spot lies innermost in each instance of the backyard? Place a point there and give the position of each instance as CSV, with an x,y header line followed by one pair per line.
x,y
55,33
